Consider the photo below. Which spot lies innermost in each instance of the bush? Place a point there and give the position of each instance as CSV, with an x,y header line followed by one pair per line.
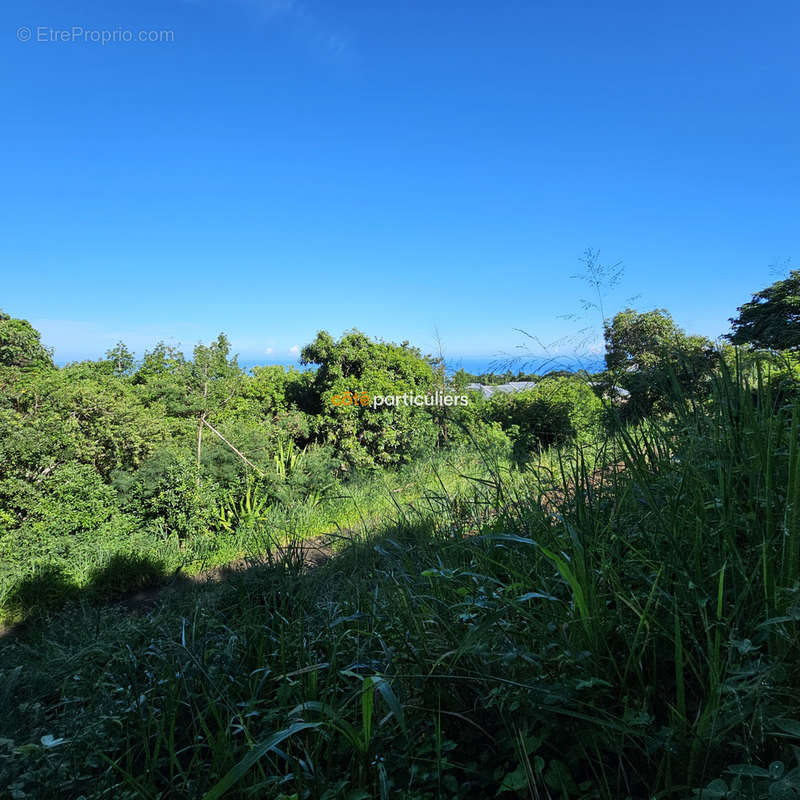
x,y
361,435
314,474
73,501
584,408
166,492
556,411
70,511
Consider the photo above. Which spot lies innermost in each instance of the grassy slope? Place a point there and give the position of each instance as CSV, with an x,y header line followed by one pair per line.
x,y
610,633
110,564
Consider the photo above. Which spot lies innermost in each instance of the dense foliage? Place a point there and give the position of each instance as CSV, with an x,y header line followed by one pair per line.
x,y
556,593
772,317
120,457
625,626
20,344
382,436
553,413
650,357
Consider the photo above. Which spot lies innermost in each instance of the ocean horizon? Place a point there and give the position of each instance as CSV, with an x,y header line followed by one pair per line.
x,y
475,365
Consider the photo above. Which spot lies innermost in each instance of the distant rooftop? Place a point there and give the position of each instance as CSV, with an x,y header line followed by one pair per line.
x,y
487,390
505,388
612,390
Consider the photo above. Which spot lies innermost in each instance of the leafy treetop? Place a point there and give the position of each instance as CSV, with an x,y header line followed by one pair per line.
x,y
20,345
771,320
637,340
355,363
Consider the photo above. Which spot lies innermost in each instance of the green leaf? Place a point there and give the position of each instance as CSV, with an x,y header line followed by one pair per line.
x,y
715,790
557,776
514,781
788,727
237,772
387,693
748,771
50,741
535,596
367,705
506,537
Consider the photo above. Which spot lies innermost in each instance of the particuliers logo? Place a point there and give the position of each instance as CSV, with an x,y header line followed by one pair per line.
x,y
361,398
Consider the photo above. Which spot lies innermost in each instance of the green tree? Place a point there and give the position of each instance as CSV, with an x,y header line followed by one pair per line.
x,y
461,378
160,381
213,380
20,344
650,356
363,435
121,358
771,320
56,419
163,359
638,340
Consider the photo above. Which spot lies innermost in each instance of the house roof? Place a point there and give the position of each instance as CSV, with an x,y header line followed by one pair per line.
x,y
487,390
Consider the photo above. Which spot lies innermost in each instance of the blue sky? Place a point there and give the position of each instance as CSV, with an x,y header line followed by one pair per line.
x,y
284,166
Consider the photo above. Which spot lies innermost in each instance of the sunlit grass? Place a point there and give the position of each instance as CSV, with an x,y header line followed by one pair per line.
x,y
616,621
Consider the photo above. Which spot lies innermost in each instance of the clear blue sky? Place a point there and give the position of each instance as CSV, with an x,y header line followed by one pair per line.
x,y
285,166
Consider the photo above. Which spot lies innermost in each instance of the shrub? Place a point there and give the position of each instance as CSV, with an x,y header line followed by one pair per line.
x,y
166,492
73,500
555,412
366,436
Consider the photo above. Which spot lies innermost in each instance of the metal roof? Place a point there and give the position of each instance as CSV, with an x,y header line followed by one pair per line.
x,y
487,390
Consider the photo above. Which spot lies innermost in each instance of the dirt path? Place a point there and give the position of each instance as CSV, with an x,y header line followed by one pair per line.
x,y
313,552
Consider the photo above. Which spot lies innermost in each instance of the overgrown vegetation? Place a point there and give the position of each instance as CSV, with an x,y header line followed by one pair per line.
x,y
559,596
172,459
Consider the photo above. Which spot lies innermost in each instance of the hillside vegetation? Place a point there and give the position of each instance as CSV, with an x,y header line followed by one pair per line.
x,y
547,595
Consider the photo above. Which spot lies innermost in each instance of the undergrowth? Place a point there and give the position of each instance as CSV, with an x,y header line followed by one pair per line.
x,y
624,626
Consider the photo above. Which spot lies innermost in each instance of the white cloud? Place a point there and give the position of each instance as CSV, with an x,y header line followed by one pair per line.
x,y
294,349
268,350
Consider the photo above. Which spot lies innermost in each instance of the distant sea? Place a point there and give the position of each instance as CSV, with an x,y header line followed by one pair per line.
x,y
539,365
477,365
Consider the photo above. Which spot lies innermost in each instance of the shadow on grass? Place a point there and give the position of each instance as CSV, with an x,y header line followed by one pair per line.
x,y
137,583
50,588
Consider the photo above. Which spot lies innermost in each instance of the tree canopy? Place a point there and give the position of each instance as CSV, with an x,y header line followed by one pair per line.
x,y
637,340
20,345
648,355
771,320
355,363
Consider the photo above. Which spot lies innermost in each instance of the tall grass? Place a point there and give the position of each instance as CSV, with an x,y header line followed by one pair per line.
x,y
620,625
42,575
